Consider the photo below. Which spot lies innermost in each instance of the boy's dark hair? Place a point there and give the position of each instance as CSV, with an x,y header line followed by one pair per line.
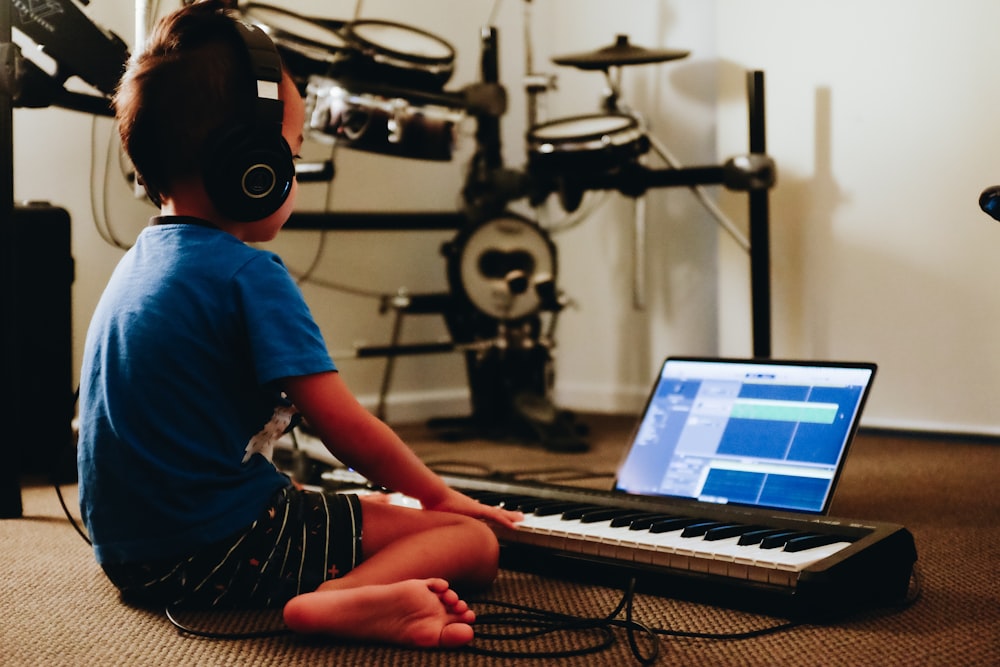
x,y
192,80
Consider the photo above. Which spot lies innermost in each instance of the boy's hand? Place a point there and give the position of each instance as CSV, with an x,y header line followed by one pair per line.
x,y
459,503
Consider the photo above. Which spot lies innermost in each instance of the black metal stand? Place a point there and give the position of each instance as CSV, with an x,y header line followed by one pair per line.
x,y
10,484
37,364
760,234
510,384
378,222
755,178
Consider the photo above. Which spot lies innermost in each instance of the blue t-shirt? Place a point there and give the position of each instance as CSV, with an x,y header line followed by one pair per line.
x,y
178,377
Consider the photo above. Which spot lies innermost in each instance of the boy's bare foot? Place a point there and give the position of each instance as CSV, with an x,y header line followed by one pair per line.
x,y
416,612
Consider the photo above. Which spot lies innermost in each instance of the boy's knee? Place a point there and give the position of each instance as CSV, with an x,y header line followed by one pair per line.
x,y
487,539
479,547
479,539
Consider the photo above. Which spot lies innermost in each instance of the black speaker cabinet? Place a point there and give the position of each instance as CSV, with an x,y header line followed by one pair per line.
x,y
42,318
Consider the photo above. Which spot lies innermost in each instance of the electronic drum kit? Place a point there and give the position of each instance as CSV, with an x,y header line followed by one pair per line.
x,y
379,86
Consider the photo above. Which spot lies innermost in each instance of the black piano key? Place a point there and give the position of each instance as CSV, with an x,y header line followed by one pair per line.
x,y
514,502
529,505
575,513
629,519
779,539
491,498
755,536
729,530
700,528
511,500
668,525
474,493
643,523
554,507
812,541
606,514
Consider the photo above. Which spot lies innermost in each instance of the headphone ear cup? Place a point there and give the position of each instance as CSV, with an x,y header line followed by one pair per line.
x,y
248,173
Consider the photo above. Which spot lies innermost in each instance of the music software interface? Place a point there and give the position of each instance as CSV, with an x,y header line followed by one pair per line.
x,y
746,433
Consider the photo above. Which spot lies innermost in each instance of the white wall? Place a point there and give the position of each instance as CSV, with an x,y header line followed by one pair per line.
x,y
882,119
878,116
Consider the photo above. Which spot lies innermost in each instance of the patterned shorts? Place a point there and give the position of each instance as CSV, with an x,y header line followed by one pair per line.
x,y
300,540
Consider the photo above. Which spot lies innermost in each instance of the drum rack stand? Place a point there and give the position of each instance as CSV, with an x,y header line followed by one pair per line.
x,y
489,381
510,382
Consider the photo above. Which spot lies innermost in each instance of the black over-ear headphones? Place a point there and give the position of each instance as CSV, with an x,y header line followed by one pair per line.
x,y
248,168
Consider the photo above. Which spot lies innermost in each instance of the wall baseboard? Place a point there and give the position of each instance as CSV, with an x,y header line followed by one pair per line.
x,y
931,428
601,399
418,406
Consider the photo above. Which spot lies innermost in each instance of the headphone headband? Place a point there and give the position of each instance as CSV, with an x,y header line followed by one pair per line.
x,y
265,67
248,171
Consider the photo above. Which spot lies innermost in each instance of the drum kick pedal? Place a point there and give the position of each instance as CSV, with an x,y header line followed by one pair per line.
x,y
502,278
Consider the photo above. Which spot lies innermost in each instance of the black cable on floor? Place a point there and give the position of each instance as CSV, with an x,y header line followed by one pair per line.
x,y
539,622
531,623
72,520
170,610
62,501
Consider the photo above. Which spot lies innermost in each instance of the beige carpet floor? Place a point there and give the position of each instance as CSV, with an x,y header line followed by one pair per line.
x,y
56,607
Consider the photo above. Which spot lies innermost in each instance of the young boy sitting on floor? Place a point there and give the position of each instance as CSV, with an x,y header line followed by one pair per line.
x,y
202,350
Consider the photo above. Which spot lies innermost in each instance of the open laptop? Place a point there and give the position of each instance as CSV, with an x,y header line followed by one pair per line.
x,y
761,433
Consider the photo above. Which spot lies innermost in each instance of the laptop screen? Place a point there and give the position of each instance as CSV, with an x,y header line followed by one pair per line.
x,y
761,433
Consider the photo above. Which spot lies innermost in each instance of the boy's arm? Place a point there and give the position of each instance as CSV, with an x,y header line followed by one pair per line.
x,y
362,441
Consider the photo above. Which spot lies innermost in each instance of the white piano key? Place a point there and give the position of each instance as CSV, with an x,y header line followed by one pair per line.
x,y
726,550
607,539
543,524
781,578
724,557
712,556
800,560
